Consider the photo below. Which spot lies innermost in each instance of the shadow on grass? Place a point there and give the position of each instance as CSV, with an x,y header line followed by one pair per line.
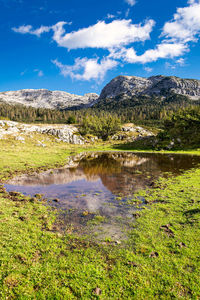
x,y
145,144
140,145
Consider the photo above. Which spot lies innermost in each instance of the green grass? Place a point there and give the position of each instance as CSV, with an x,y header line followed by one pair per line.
x,y
160,260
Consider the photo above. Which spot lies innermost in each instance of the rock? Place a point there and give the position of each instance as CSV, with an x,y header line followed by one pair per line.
x,y
130,133
40,144
20,138
48,99
181,245
136,215
13,193
119,137
130,86
167,230
154,254
66,133
117,242
129,129
56,200
38,196
22,218
93,139
97,291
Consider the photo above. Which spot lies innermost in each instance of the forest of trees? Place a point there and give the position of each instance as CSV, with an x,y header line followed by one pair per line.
x,y
143,110
182,128
29,114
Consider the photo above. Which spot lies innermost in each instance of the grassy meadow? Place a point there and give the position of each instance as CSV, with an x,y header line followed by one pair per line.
x,y
160,259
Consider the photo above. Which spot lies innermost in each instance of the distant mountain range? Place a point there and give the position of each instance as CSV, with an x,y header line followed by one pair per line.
x,y
48,99
121,88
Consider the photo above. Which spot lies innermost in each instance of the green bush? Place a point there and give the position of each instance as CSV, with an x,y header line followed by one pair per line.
x,y
71,120
182,127
102,126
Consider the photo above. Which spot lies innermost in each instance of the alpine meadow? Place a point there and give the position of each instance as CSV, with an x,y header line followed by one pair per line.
x,y
100,149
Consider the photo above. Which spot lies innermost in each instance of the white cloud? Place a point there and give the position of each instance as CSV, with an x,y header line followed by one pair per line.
x,y
24,29
185,25
103,35
110,16
148,69
91,68
116,36
131,2
164,50
181,61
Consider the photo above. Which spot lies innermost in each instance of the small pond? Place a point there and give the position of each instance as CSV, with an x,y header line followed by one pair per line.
x,y
94,189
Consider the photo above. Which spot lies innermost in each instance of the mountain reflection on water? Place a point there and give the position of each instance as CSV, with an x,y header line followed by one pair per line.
x,y
91,179
93,182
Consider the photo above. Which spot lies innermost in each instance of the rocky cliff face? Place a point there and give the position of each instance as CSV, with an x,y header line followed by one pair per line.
x,y
156,85
47,99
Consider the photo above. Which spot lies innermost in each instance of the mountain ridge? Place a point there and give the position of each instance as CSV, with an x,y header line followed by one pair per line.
x,y
43,98
159,85
120,88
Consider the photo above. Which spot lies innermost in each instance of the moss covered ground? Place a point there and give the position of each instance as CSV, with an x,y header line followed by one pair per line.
x,y
160,260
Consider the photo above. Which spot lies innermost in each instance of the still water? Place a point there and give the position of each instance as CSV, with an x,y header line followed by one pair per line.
x,y
101,184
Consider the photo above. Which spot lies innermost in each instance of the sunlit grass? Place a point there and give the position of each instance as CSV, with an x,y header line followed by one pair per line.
x,y
159,261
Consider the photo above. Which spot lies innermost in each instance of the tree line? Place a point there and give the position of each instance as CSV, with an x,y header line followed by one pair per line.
x,y
139,110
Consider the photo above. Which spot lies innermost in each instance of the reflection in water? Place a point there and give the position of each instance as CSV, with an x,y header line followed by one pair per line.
x,y
92,181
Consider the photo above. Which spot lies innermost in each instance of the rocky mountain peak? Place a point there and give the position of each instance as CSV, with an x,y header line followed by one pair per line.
x,y
155,85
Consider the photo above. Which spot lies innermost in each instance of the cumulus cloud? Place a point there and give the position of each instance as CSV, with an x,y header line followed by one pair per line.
x,y
117,38
131,2
185,25
103,35
24,29
90,68
165,50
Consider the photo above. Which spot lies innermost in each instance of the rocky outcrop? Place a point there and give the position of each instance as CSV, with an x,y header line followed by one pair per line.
x,y
130,133
64,133
130,86
48,99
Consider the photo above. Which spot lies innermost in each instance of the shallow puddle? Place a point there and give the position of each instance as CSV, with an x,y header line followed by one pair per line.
x,y
94,188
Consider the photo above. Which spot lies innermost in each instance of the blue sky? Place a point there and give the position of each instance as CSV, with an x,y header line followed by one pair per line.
x,y
79,46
